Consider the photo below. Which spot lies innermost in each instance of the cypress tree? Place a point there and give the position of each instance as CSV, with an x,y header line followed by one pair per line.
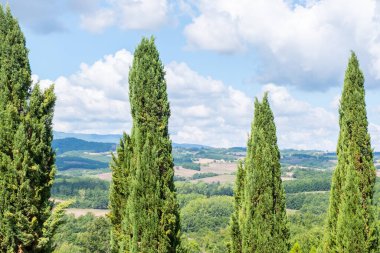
x,y
350,233
144,207
264,225
26,156
235,233
351,197
120,167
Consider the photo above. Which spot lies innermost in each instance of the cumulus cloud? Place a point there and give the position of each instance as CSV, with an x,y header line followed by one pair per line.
x,y
126,14
299,124
95,99
305,45
204,110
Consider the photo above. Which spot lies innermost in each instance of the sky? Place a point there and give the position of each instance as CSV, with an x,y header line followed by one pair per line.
x,y
218,55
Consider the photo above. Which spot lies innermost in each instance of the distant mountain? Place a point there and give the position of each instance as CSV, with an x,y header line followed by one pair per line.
x,y
108,138
189,146
114,138
73,162
74,144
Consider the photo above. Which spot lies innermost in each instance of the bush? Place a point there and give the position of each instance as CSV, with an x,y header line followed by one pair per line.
x,y
206,214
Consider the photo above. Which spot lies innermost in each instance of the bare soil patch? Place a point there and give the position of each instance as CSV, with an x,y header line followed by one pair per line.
x,y
287,178
182,172
291,211
77,212
220,167
105,176
205,161
215,179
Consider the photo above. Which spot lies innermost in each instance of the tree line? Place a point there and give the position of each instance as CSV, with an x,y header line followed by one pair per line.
x,y
144,211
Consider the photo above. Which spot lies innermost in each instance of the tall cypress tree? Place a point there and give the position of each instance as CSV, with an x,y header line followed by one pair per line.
x,y
235,222
264,226
351,198
26,156
145,210
119,191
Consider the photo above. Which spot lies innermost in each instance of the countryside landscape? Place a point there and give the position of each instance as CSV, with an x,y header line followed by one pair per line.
x,y
204,177
189,126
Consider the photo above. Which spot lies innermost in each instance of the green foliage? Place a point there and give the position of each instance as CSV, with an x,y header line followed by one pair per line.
x,y
303,200
211,213
51,224
85,234
351,201
215,154
67,247
26,157
88,192
351,222
313,250
190,245
307,185
263,222
312,174
308,160
306,224
203,175
296,248
208,221
184,199
190,166
182,157
144,208
203,188
235,222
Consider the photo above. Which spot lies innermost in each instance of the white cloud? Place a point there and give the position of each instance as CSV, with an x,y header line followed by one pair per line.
x,y
299,124
218,33
335,102
305,45
126,14
374,129
98,20
204,110
95,99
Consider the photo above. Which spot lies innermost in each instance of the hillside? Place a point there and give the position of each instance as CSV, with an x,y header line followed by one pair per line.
x,y
204,178
73,144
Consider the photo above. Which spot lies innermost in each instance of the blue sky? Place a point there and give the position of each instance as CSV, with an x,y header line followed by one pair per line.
x,y
218,56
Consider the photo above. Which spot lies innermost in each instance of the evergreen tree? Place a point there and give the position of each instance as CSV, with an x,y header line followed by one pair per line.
x,y
350,233
119,190
26,156
236,243
264,225
351,198
144,207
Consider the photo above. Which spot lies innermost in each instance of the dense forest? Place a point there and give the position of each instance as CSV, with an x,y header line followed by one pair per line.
x,y
146,194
